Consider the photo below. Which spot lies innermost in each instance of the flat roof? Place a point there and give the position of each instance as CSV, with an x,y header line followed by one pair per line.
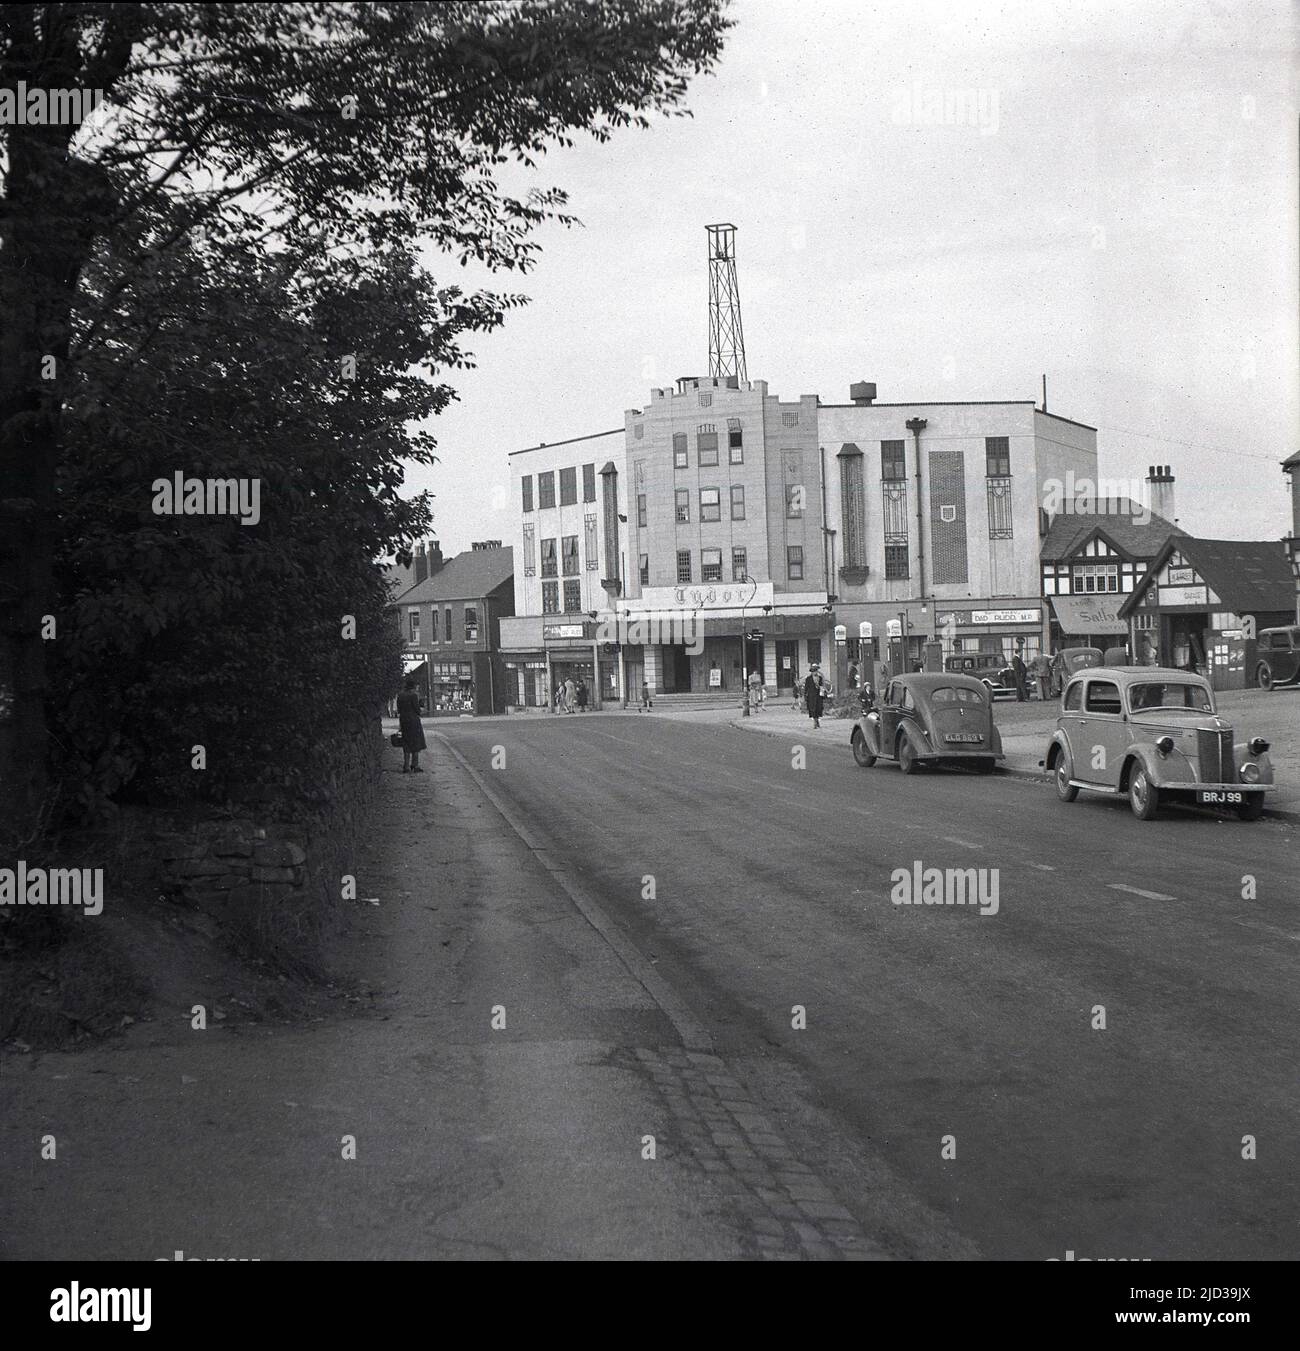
x,y
546,445
963,403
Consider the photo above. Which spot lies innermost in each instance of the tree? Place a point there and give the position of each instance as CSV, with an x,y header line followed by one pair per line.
x,y
309,131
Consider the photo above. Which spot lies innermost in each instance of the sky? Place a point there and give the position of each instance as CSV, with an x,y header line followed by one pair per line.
x,y
950,200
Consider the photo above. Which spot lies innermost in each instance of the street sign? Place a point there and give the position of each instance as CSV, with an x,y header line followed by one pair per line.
x,y
756,635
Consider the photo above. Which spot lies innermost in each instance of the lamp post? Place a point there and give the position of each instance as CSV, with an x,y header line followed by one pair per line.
x,y
744,645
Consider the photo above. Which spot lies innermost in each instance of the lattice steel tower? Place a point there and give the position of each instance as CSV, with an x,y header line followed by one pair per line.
x,y
726,336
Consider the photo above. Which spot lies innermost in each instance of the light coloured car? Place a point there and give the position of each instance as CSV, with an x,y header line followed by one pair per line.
x,y
1152,734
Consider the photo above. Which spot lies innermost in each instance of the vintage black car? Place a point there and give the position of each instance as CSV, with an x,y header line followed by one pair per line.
x,y
992,668
1277,658
1070,660
930,719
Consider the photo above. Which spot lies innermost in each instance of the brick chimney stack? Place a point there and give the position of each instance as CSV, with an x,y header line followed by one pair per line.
x,y
1160,490
421,564
434,559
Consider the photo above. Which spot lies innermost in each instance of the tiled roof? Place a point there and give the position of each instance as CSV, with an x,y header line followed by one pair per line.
x,y
1249,576
1123,526
1293,462
468,576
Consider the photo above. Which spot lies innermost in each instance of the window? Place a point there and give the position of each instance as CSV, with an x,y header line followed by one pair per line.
x,y
794,562
570,550
433,624
526,483
683,565
589,481
640,511
530,549
546,489
645,569
447,626
590,547
999,494
735,444
710,504
793,501
681,457
572,597
638,430
894,496
790,417
739,565
682,497
550,598
471,623
895,562
737,501
413,625
568,486
1074,697
706,400
997,457
815,653
548,558
1090,578
1102,697
706,446
853,498
1172,694
710,565
893,463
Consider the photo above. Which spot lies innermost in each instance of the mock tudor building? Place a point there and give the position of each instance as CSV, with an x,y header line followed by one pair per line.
x,y
935,515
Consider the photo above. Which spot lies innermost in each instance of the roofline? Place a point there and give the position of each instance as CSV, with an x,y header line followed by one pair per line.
x,y
964,403
546,445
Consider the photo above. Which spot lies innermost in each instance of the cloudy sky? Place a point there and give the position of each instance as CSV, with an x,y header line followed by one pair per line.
x,y
1116,207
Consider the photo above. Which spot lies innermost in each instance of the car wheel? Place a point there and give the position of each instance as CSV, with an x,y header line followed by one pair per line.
x,y
907,761
860,752
1264,676
984,766
1065,790
1252,808
1143,796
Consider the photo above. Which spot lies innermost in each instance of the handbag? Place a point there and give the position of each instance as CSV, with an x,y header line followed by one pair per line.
x,y
395,739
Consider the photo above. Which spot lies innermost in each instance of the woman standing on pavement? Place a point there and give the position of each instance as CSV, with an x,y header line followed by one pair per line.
x,y
411,728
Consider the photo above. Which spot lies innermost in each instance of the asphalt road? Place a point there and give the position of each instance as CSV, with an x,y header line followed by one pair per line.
x,y
772,888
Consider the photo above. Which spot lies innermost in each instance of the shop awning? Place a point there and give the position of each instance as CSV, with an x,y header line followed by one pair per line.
x,y
1089,614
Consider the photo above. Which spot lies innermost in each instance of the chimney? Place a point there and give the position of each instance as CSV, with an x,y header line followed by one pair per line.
x,y
435,558
1160,491
421,564
862,394
480,544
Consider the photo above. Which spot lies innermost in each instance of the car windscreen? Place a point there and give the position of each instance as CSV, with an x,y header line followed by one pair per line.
x,y
947,695
1170,694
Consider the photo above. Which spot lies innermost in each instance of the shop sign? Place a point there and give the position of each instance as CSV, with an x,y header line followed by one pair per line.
x,y
1006,616
715,679
728,596
550,631
1184,595
1181,576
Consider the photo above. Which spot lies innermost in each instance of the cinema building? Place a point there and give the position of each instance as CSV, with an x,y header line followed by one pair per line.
x,y
935,517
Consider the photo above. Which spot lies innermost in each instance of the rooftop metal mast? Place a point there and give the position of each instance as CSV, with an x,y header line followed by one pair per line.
x,y
726,336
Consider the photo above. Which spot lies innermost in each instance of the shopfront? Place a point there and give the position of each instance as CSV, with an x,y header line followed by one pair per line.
x,y
1088,621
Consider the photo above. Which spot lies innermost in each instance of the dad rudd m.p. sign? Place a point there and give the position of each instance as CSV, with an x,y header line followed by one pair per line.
x,y
1006,616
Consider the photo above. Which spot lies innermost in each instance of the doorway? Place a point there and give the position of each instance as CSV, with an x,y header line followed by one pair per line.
x,y
787,663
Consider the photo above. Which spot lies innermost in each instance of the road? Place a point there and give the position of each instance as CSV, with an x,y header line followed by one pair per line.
x,y
772,879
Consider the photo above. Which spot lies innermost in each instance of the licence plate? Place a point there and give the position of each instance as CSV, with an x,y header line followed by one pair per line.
x,y
964,736
1210,796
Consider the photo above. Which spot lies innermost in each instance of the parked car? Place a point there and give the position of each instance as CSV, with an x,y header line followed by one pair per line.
x,y
992,668
1277,653
1152,733
1070,660
930,719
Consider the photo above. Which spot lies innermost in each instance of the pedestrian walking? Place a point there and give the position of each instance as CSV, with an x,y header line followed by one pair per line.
x,y
1021,672
757,693
853,675
582,695
410,727
570,695
814,688
646,702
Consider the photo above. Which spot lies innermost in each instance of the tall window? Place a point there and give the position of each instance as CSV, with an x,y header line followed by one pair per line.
x,y
710,504
471,623
710,565
640,511
572,597
737,501
893,463
433,624
549,568
683,565
999,495
413,625
739,565
790,417
794,562
682,498
997,456
570,555
446,614
706,446
645,569
550,598
589,546
735,442
568,486
895,562
589,482
853,507
546,489
681,457
526,483
530,549
793,501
